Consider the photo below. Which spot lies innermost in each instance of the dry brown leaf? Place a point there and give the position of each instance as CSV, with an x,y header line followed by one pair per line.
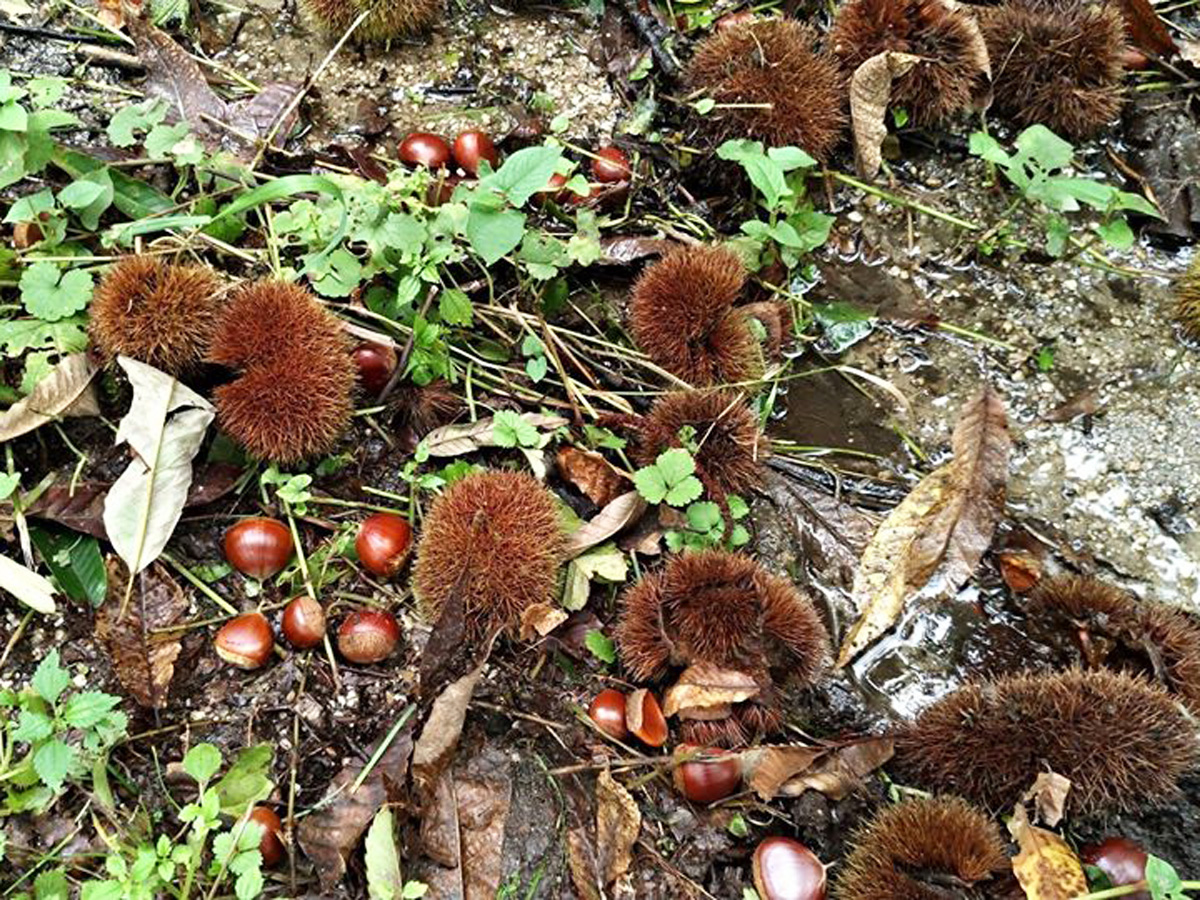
x,y
439,737
618,821
622,511
594,475
946,524
143,656
330,835
581,858
870,93
1046,867
843,770
539,619
705,685
1049,793
766,769
1145,29
1020,569
64,392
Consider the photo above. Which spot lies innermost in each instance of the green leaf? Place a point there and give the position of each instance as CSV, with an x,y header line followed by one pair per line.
x,y
79,194
988,148
135,117
704,105
9,481
87,708
248,780
494,233
524,173
74,560
737,826
1057,234
50,679
790,158
1136,203
64,336
103,890
843,324
1162,879
249,884
601,646
704,516
31,207
1045,147
51,885
1117,234
675,465
650,484
13,116
384,881
163,139
414,890
685,491
536,368
90,213
50,295
510,430
32,726
455,308
52,760
46,90
202,762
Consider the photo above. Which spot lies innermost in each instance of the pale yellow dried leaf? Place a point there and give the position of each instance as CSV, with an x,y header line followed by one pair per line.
x,y
1045,866
705,685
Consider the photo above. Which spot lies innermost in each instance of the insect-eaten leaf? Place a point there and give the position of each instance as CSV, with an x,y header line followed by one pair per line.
x,y
164,428
842,771
143,653
1045,866
945,525
66,391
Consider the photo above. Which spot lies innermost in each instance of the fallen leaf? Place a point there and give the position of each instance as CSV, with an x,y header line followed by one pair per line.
x,y
111,13
143,655
581,859
1045,866
1189,50
1020,569
467,437
1145,29
618,514
444,726
1049,794
766,769
382,859
621,250
595,476
842,770
164,427
27,586
539,619
870,93
706,685
946,524
605,563
618,821
331,833
53,397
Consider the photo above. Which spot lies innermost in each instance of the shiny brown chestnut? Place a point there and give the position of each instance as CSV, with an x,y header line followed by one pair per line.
x,y
611,165
471,148
644,717
245,642
271,845
706,781
368,636
608,712
303,622
258,547
375,366
787,870
555,189
424,149
383,544
1123,861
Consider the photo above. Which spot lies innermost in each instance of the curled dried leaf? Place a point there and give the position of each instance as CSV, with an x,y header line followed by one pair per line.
x,y
705,686
766,769
595,476
870,93
1046,867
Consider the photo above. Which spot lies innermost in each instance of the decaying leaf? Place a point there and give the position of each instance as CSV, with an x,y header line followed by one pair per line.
x,y
705,685
143,654
27,586
870,93
1045,866
842,770
330,835
581,858
66,391
945,524
539,619
467,437
766,769
1145,29
618,821
594,475
621,512
605,563
164,428
1020,569
444,726
237,127
1049,796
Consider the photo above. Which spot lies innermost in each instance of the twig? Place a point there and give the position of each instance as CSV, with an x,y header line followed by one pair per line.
x,y
653,33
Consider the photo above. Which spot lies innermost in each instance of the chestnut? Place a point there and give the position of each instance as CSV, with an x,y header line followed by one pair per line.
x,y
555,189
707,780
271,845
246,641
303,622
611,165
375,366
1121,860
424,149
258,547
787,870
645,719
368,636
471,147
608,712
383,544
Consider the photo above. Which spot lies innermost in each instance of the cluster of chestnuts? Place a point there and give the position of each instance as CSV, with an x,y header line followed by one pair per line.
x,y
261,548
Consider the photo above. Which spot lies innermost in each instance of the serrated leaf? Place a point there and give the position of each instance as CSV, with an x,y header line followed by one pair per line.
x,y
247,781
32,726
650,484
202,762
455,308
52,760
87,708
50,679
494,233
